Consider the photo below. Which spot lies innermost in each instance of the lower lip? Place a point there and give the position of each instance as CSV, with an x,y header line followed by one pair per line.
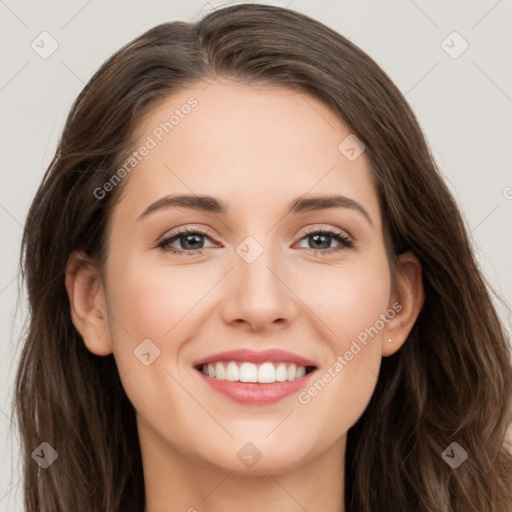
x,y
253,392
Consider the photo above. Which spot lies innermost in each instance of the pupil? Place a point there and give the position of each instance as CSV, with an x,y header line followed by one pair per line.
x,y
186,237
315,237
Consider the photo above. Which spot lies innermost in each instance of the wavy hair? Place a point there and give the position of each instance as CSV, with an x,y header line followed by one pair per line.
x,y
450,382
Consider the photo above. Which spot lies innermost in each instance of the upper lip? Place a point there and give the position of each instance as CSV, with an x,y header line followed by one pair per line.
x,y
243,354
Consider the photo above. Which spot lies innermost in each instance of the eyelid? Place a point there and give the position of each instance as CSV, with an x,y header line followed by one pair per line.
x,y
188,228
322,227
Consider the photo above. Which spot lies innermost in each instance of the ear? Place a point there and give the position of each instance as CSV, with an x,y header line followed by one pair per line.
x,y
406,301
88,306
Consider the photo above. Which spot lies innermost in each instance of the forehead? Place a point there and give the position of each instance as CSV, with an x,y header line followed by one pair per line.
x,y
249,145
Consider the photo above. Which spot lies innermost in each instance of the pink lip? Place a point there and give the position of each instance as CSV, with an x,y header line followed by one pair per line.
x,y
243,354
254,393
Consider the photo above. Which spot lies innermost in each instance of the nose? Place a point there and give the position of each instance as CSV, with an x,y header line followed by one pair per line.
x,y
257,293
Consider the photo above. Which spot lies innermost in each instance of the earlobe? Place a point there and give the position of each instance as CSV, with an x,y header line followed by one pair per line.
x,y
87,303
408,293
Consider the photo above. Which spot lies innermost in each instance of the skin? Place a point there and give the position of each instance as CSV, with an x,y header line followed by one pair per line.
x,y
257,149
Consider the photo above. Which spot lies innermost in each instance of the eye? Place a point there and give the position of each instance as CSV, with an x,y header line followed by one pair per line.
x,y
189,239
191,242
322,238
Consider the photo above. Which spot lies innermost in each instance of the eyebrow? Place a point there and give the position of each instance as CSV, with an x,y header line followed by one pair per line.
x,y
213,205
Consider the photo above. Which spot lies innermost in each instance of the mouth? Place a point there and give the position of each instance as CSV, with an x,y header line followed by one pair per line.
x,y
268,372
253,378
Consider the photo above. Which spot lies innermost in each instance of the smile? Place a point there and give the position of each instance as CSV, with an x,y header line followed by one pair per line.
x,y
255,377
265,373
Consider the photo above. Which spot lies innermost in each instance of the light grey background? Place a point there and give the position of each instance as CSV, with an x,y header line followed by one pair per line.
x,y
464,105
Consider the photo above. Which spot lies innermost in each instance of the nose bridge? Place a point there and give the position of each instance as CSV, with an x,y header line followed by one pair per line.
x,y
258,264
257,293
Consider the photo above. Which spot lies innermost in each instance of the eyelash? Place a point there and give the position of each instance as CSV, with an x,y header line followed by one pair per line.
x,y
346,243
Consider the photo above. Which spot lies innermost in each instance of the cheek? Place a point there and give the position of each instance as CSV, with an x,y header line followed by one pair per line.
x,y
351,303
148,300
164,304
348,299
148,307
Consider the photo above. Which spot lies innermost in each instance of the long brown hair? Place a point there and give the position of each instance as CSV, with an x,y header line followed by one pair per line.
x,y
450,382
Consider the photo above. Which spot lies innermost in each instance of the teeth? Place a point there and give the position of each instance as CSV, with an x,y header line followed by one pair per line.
x,y
301,371
219,372
231,371
265,373
281,372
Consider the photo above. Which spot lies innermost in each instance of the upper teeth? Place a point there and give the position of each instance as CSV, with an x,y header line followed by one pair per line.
x,y
248,372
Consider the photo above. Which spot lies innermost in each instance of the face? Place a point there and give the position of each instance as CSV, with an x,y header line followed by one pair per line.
x,y
181,284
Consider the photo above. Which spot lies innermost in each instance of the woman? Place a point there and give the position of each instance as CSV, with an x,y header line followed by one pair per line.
x,y
366,373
